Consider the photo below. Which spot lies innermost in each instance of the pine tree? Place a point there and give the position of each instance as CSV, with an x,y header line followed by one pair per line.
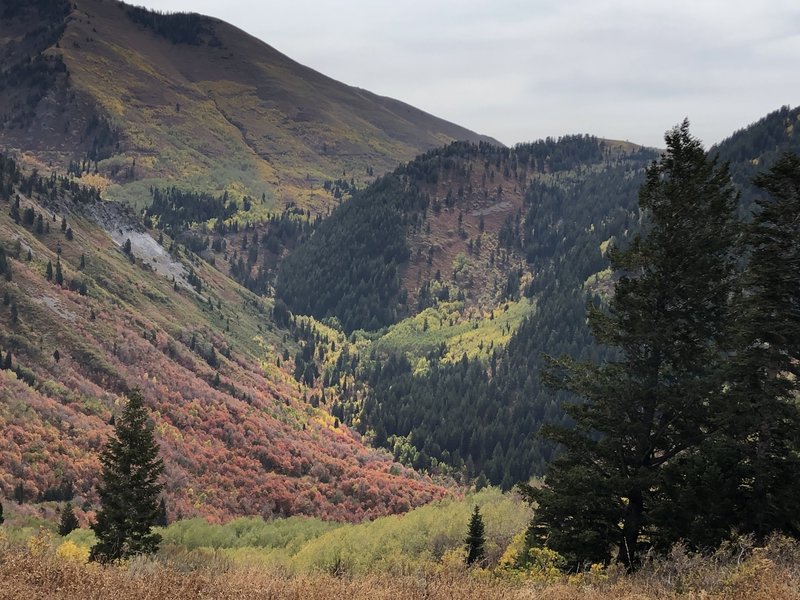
x,y
162,520
49,271
658,400
130,489
765,424
2,518
68,522
475,540
59,274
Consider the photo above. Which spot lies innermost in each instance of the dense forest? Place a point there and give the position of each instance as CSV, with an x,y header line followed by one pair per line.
x,y
351,267
440,416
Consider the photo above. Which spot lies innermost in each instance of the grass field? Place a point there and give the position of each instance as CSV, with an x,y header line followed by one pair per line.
x,y
39,569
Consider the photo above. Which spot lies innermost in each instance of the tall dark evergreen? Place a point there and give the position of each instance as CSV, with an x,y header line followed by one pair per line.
x,y
130,487
68,522
659,398
765,425
475,540
162,520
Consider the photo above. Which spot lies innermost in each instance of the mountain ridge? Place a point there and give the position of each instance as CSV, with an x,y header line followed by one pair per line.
x,y
257,122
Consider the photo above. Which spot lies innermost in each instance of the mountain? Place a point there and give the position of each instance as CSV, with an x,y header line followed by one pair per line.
x,y
132,99
419,384
447,225
93,305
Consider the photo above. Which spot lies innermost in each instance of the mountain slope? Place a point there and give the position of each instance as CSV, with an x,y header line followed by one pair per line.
x,y
478,414
195,100
445,226
93,306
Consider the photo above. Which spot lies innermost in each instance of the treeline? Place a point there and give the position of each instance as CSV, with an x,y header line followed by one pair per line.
x,y
28,74
753,148
176,209
178,28
50,189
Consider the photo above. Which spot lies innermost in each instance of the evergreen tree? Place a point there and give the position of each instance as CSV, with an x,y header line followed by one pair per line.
x,y
763,375
15,210
19,489
2,518
129,490
59,274
69,522
49,271
659,398
162,520
475,540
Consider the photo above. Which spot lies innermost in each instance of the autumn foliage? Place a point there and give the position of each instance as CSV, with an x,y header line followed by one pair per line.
x,y
236,433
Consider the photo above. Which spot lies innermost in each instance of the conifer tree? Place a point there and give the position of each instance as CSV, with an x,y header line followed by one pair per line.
x,y
765,421
475,540
68,522
2,518
130,488
162,520
659,399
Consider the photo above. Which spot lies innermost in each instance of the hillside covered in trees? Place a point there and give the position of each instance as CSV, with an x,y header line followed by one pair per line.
x,y
479,414
93,306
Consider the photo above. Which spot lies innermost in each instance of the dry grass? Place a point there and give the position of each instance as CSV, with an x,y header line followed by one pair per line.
x,y
37,571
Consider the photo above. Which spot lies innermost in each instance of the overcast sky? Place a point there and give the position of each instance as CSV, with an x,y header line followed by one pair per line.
x,y
519,70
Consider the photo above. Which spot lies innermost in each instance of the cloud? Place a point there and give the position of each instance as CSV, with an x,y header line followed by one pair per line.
x,y
520,70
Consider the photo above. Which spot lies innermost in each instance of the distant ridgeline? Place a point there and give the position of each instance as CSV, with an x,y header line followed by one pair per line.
x,y
476,418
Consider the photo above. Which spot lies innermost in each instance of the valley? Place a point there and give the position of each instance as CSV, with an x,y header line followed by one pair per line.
x,y
354,324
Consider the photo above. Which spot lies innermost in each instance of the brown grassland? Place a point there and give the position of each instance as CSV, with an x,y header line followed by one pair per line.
x,y
36,570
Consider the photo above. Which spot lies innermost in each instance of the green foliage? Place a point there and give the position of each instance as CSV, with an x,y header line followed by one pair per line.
x,y
288,534
394,544
742,476
349,268
129,490
475,540
756,148
659,399
176,209
68,522
441,411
